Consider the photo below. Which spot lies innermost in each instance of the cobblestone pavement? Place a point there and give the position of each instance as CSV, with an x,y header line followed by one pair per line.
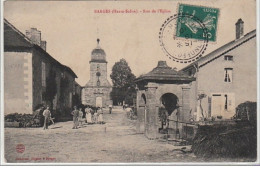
x,y
113,142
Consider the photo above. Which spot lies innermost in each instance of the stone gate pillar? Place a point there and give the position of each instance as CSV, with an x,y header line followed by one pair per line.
x,y
151,122
185,113
140,113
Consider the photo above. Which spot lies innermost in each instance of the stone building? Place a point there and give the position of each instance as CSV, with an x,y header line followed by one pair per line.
x,y
162,86
226,77
97,91
212,86
28,72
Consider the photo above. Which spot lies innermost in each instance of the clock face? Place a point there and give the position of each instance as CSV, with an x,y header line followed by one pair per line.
x,y
98,74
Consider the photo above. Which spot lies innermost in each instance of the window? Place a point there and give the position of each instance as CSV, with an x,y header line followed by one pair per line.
x,y
228,58
228,74
43,75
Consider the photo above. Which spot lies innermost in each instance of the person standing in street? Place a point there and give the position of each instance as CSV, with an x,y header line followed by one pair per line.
x,y
75,114
47,115
80,117
100,116
88,115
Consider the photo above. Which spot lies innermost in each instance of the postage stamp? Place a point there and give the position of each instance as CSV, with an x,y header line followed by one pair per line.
x,y
178,49
188,28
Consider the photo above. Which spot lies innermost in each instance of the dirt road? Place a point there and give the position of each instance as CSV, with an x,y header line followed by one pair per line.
x,y
116,142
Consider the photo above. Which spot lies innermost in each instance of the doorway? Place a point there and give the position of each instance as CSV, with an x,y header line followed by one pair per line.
x,y
99,102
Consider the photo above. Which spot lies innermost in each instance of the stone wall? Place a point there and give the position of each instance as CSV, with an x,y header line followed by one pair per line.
x,y
18,82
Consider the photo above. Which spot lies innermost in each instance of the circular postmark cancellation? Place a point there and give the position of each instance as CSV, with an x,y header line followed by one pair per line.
x,y
183,49
20,148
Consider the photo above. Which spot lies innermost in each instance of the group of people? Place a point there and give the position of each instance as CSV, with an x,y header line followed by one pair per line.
x,y
92,116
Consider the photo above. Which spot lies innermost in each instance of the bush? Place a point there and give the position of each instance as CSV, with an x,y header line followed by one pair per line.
x,y
226,141
247,111
24,120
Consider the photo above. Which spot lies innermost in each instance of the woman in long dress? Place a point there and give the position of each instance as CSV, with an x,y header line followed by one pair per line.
x,y
88,116
100,116
80,117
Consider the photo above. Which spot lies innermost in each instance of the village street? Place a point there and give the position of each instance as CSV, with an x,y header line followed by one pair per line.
x,y
115,141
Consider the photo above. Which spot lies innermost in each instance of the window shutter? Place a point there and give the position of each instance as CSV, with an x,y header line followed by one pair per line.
x,y
209,105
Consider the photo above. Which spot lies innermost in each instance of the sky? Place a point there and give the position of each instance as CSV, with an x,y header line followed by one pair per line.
x,y
71,29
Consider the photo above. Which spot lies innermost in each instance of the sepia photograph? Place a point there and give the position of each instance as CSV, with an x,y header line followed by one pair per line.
x,y
172,82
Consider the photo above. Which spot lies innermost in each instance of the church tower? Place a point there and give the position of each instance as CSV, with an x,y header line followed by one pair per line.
x,y
97,91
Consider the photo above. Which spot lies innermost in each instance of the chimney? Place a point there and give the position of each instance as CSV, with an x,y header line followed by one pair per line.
x,y
239,28
35,36
43,45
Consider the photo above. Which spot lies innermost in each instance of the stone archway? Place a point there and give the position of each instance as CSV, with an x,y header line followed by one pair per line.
x,y
142,114
169,101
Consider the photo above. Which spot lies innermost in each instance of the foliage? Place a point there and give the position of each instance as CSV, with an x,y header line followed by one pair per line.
x,y
25,120
226,141
247,111
123,83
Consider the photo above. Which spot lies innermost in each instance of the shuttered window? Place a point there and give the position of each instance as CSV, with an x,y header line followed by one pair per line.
x,y
228,75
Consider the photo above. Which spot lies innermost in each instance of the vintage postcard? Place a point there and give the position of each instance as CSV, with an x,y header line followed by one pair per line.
x,y
129,82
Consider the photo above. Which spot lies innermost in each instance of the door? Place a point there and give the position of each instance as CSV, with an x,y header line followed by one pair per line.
x,y
98,101
216,105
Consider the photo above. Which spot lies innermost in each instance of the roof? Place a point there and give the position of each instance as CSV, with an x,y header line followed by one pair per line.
x,y
16,39
164,73
68,69
13,37
222,50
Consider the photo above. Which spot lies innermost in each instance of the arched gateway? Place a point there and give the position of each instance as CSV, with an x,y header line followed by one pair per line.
x,y
162,88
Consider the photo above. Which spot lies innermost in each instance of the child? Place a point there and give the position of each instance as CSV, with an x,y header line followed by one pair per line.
x,y
80,117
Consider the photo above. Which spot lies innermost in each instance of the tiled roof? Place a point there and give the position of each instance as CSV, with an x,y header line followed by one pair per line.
x,y
164,73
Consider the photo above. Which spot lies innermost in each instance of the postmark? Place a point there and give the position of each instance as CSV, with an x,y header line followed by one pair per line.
x,y
182,50
187,28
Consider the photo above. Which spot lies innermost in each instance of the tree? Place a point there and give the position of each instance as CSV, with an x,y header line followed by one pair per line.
x,y
123,83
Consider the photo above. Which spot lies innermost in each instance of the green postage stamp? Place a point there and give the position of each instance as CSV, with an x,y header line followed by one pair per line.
x,y
187,28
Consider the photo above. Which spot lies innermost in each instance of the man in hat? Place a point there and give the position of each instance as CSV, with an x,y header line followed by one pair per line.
x,y
75,114
47,115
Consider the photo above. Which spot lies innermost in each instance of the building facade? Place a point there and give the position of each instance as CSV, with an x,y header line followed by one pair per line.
x,y
97,91
31,76
226,77
162,87
210,88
